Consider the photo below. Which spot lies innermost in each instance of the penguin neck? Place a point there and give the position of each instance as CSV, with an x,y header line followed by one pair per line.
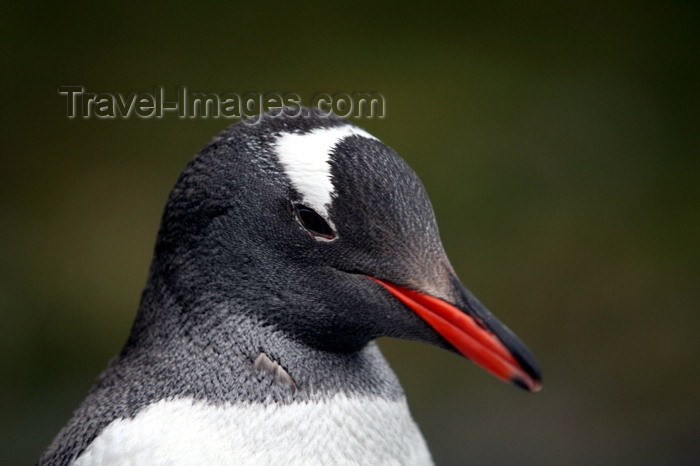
x,y
218,352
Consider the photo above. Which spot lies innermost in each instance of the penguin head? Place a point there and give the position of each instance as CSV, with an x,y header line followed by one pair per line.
x,y
314,227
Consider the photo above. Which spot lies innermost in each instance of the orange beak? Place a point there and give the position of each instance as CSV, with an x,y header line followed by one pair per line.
x,y
473,337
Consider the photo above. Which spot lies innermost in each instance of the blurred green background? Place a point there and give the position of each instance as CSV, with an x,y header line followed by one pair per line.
x,y
559,143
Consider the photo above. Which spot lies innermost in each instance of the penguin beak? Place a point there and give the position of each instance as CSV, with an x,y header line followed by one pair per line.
x,y
475,333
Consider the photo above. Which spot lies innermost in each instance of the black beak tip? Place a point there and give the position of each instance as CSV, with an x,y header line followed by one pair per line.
x,y
533,387
528,362
520,383
517,348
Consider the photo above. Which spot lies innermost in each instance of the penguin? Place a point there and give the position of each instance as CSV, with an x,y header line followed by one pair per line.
x,y
287,246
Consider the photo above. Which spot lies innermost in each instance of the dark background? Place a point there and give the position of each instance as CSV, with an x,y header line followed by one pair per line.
x,y
558,141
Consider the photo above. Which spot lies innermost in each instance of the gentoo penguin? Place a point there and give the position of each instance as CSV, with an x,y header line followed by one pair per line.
x,y
287,246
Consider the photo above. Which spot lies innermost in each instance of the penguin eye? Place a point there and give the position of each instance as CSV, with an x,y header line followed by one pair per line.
x,y
313,222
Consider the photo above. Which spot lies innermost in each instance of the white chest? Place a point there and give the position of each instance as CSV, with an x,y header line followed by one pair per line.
x,y
340,430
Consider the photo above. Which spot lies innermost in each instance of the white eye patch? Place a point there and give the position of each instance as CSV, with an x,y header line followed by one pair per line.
x,y
305,158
